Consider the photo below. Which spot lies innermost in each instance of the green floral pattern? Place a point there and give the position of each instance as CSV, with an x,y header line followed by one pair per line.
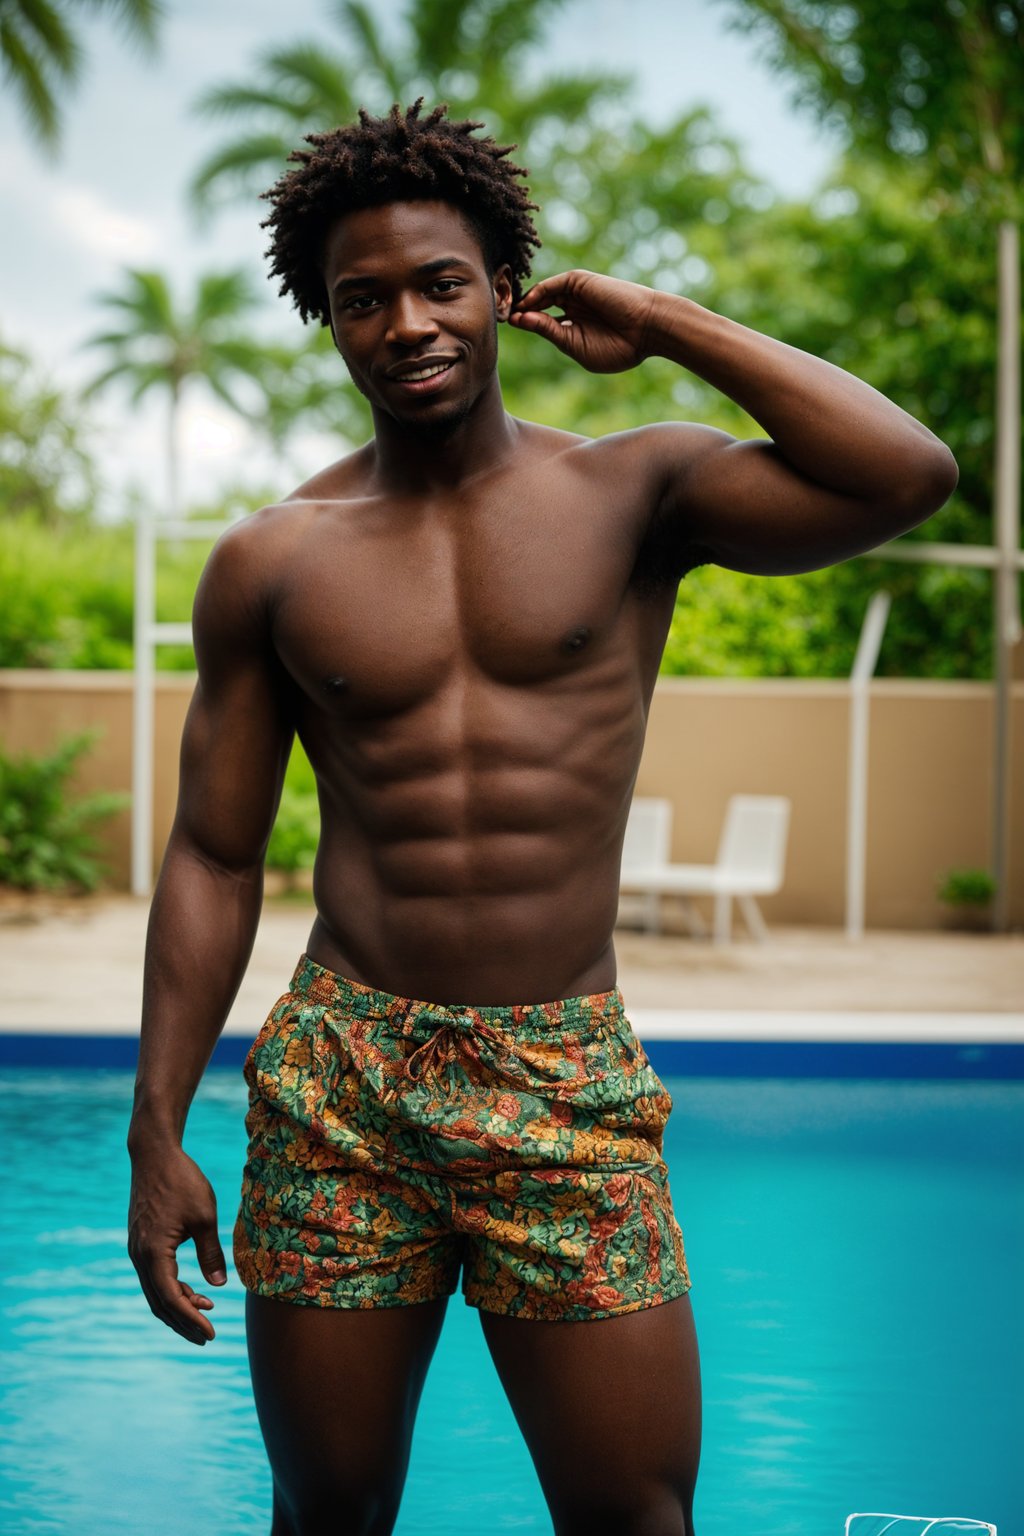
x,y
393,1142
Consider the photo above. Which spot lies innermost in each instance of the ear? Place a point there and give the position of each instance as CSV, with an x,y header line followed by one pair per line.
x,y
502,284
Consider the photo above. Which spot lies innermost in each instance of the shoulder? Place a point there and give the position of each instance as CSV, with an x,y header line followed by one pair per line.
x,y
663,447
642,456
246,553
241,581
347,476
249,560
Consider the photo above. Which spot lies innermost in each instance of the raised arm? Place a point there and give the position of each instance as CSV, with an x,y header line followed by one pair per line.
x,y
845,469
204,916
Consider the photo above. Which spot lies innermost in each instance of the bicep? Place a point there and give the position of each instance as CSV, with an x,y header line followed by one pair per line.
x,y
238,732
737,503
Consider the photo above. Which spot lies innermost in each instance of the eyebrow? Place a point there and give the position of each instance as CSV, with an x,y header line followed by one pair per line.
x,y
426,269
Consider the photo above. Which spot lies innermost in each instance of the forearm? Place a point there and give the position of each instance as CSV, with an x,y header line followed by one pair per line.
x,y
202,927
831,427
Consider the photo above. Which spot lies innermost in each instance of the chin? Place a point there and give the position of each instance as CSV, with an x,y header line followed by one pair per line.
x,y
437,423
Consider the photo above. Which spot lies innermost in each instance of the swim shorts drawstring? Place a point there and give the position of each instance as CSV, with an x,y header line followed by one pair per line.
x,y
443,1045
455,1029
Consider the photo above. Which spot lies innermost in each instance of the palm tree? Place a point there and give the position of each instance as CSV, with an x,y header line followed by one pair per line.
x,y
469,53
162,347
41,55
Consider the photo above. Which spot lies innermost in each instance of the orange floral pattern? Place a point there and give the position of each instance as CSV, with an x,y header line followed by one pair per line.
x,y
393,1142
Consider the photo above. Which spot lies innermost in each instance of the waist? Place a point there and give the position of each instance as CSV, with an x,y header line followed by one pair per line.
x,y
356,999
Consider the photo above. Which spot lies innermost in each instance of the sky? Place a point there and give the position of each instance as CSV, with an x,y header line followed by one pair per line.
x,y
115,197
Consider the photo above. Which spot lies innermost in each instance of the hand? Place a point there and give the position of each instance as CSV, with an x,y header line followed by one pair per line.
x,y
171,1201
605,319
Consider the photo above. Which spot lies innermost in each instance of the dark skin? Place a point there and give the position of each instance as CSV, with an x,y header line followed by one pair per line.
x,y
463,622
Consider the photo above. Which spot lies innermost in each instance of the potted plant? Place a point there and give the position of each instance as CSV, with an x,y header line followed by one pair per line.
x,y
967,894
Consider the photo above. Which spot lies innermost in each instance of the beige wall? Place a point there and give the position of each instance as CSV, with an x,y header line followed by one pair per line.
x,y
929,796
929,785
39,709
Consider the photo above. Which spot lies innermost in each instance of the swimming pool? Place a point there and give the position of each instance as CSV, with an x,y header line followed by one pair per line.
x,y
858,1266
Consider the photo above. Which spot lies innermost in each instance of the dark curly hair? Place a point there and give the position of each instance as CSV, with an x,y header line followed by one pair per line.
x,y
393,159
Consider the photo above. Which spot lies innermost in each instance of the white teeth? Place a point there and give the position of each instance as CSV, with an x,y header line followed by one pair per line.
x,y
425,373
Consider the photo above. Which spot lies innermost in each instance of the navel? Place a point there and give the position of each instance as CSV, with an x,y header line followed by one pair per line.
x,y
577,640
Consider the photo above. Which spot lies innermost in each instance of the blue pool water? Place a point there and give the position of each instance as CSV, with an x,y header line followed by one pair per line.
x,y
858,1265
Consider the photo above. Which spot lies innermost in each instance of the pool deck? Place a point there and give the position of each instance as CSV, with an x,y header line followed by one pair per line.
x,y
75,966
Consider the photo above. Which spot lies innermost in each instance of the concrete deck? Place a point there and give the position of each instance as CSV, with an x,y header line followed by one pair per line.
x,y
75,965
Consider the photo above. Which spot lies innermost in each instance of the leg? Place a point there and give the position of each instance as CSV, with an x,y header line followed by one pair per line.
x,y
336,1393
610,1411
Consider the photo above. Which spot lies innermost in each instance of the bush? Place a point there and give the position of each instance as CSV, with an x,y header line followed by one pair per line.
x,y
967,888
45,841
68,599
293,842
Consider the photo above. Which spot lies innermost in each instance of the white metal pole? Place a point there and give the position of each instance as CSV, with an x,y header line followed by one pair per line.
x,y
142,703
868,647
1007,625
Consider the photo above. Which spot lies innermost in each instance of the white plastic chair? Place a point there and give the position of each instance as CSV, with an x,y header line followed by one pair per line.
x,y
647,845
750,861
915,1525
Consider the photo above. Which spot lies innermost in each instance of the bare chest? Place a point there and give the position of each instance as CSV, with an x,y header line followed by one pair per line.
x,y
376,613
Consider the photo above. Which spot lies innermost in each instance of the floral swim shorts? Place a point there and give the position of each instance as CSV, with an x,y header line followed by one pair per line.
x,y
394,1141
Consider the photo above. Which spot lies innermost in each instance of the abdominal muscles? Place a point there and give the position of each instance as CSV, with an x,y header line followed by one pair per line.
x,y
472,854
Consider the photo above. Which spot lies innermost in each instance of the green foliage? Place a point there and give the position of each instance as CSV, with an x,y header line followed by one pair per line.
x,y
293,842
300,778
966,888
297,827
474,54
160,344
67,595
46,469
45,838
296,834
42,54
936,81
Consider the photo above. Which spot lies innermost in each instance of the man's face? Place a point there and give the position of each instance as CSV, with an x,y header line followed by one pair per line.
x,y
414,309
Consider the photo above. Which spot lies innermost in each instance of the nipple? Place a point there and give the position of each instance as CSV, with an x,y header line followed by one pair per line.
x,y
577,640
336,684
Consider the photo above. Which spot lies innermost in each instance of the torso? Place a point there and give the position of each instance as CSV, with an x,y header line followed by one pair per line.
x,y
470,679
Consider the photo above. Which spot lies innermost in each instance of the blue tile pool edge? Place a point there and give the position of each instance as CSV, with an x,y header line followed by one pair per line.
x,y
943,1059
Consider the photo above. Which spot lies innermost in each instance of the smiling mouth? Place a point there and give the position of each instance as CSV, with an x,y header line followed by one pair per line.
x,y
425,380
423,373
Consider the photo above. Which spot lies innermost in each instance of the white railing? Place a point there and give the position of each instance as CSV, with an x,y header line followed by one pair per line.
x,y
148,634
864,662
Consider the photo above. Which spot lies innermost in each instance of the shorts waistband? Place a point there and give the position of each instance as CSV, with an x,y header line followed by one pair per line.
x,y
356,1000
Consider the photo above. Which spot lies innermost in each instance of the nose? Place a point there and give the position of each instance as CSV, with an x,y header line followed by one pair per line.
x,y
411,320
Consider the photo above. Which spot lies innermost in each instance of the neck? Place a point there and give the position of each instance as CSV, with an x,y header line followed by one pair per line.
x,y
423,459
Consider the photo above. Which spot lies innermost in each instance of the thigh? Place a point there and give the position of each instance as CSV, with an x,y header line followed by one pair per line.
x,y
611,1412
336,1393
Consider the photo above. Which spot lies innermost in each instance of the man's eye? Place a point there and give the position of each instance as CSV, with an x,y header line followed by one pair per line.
x,y
360,301
445,284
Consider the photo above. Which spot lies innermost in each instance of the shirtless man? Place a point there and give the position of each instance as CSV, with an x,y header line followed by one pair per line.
x,y
463,622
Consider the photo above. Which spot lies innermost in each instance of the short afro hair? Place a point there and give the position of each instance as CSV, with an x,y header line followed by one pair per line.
x,y
397,158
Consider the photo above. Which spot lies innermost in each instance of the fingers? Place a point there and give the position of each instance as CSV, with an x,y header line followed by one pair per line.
x,y
173,1301
209,1252
558,331
171,1201
541,296
552,290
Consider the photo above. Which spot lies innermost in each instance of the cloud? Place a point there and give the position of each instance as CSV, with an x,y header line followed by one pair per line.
x,y
102,228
